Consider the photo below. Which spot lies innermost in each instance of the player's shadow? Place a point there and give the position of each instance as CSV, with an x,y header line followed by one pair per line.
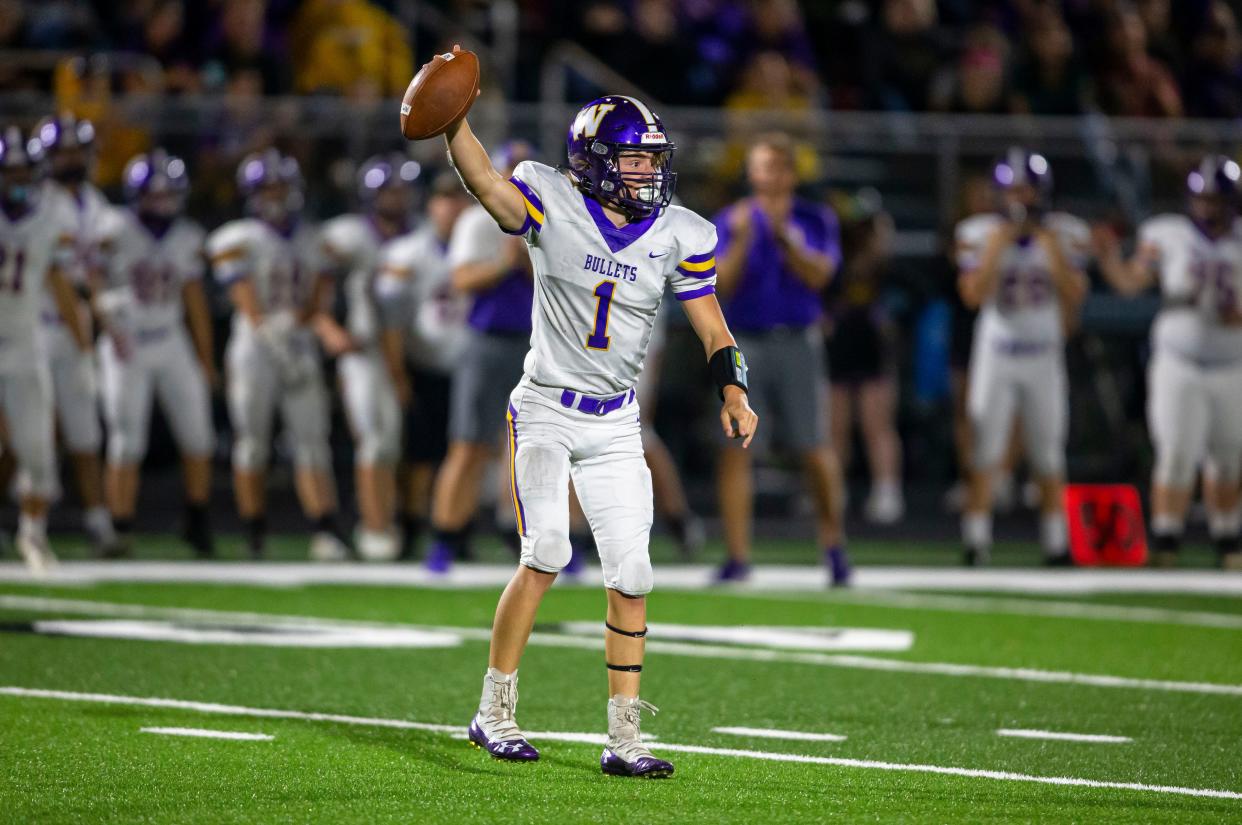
x,y
453,753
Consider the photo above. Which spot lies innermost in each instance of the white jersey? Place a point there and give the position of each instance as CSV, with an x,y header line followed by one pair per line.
x,y
1023,312
417,264
153,270
85,211
1200,281
598,288
354,242
30,247
282,268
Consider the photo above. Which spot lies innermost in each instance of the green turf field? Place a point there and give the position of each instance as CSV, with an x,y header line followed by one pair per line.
x,y
391,750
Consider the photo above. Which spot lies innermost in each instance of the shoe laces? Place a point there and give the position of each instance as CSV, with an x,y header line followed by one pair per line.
x,y
625,738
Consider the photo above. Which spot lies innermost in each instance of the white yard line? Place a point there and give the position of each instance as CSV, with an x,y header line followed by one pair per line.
x,y
766,578
206,733
972,773
774,733
1023,733
87,607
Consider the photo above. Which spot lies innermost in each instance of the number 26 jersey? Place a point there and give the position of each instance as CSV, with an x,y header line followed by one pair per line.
x,y
598,287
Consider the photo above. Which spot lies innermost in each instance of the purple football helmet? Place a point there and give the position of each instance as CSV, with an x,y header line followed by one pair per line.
x,y
1215,175
21,161
382,171
68,143
607,127
1021,167
155,173
271,183
65,131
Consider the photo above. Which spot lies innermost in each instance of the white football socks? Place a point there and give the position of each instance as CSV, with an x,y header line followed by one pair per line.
x,y
977,530
1053,534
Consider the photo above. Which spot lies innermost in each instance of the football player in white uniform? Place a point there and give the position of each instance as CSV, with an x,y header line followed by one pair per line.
x,y
604,242
1194,392
68,144
149,269
352,246
272,266
1024,270
426,327
36,250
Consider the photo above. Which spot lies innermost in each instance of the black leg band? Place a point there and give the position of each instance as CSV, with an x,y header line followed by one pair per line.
x,y
633,634
626,668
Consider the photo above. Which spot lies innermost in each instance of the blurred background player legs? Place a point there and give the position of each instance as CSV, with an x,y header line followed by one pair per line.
x,y
495,271
775,256
26,408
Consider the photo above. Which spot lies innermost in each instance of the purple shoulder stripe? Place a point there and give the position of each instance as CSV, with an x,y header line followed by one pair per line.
x,y
698,259
710,289
528,192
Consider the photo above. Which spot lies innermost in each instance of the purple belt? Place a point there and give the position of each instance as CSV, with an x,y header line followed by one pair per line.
x,y
595,406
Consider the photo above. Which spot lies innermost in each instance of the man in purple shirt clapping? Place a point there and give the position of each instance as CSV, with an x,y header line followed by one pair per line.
x,y
776,254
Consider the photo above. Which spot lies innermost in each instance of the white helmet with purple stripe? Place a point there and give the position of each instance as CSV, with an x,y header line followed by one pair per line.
x,y
607,127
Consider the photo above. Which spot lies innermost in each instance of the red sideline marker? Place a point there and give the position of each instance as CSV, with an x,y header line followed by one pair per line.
x,y
1105,525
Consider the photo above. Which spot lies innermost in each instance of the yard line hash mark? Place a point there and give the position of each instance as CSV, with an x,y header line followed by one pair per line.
x,y
705,651
457,731
207,733
1024,733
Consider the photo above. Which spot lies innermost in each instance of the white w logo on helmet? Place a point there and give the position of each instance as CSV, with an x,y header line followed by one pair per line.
x,y
587,123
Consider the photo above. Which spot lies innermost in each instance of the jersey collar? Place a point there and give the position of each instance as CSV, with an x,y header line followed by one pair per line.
x,y
617,238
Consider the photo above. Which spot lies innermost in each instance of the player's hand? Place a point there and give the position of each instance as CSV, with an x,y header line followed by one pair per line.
x,y
336,341
736,416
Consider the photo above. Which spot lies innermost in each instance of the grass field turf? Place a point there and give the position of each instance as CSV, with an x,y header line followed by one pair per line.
x,y
88,761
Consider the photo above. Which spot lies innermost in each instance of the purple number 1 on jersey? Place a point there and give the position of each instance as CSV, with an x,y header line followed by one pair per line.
x,y
603,302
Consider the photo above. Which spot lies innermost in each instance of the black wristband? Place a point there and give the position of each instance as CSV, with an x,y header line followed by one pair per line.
x,y
728,367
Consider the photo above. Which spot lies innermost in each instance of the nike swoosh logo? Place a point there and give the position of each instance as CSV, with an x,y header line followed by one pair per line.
x,y
653,255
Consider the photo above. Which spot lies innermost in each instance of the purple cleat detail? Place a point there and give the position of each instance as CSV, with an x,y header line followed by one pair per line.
x,y
510,750
439,558
839,570
645,767
733,571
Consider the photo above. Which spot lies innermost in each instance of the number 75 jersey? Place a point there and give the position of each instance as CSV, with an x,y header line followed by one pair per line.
x,y
598,287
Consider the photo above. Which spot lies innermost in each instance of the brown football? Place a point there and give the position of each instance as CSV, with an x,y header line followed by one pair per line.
x,y
440,94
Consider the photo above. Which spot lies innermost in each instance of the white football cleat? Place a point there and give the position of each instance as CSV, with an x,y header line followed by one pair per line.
x,y
37,553
377,545
326,547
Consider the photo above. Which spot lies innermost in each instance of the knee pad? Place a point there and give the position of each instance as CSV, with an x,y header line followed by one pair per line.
x,y
380,447
250,453
1174,469
547,551
312,455
633,576
37,479
1229,471
125,448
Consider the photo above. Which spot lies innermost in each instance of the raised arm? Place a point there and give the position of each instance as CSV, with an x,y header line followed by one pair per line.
x,y
499,197
737,419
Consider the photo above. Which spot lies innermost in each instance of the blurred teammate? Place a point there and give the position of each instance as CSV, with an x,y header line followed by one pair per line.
x,y
271,264
495,271
69,146
352,333
150,267
427,328
36,249
1194,406
778,254
604,243
1023,269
